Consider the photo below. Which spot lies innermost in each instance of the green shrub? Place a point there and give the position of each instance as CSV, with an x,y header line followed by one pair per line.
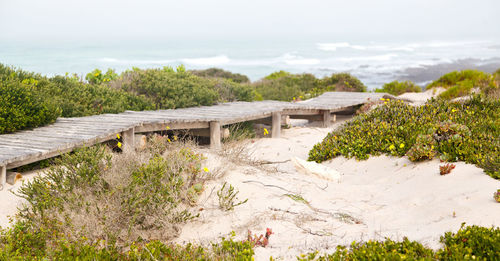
x,y
471,242
468,131
376,250
342,82
220,73
20,244
398,88
229,91
462,88
461,83
277,75
77,99
97,77
283,86
168,89
22,106
120,198
424,148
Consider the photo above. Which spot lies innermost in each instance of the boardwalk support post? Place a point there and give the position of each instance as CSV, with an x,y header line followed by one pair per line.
x,y
327,118
128,140
3,176
215,135
276,128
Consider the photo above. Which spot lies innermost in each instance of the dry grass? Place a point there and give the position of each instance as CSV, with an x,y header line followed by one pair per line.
x,y
145,195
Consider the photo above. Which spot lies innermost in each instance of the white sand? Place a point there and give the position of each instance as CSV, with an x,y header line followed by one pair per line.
x,y
391,197
10,202
419,98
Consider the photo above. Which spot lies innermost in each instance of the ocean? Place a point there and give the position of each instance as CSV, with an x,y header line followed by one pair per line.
x,y
375,62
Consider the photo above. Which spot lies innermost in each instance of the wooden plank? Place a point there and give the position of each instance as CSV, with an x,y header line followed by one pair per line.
x,y
327,120
215,135
128,141
206,132
301,112
276,128
24,160
3,176
172,126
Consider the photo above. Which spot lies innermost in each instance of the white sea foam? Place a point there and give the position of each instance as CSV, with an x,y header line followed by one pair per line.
x,y
207,61
335,46
134,62
384,57
292,59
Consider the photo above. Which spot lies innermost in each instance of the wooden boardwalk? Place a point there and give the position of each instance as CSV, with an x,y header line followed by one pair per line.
x,y
66,134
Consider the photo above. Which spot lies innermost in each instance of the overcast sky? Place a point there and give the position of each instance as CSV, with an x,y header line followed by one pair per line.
x,y
164,18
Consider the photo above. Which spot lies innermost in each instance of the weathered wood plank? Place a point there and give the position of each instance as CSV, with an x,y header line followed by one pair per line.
x,y
276,128
3,176
67,134
215,135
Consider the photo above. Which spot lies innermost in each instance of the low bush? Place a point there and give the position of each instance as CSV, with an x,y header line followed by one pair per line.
x,y
227,197
376,250
342,82
20,244
97,77
220,73
77,99
66,96
119,199
22,106
285,86
469,243
461,83
169,89
468,131
398,88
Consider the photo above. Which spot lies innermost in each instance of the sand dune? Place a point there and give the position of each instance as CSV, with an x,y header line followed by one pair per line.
x,y
373,199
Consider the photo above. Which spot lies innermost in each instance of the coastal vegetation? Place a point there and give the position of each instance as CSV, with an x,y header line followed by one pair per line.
x,y
97,205
284,86
167,88
220,73
398,88
31,100
462,83
467,131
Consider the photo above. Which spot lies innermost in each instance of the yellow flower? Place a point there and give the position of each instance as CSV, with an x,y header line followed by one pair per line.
x,y
169,140
117,136
119,144
402,145
392,147
265,132
205,169
175,137
168,127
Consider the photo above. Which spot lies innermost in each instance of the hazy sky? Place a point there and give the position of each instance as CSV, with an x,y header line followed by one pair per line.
x,y
164,18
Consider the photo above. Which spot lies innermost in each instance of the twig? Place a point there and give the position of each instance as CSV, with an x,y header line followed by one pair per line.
x,y
286,211
264,162
150,253
266,185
